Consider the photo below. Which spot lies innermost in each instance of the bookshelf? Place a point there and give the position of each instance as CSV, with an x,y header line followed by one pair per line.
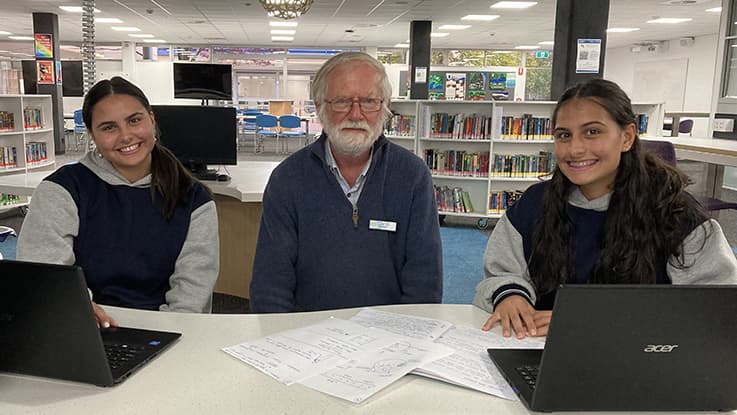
x,y
26,138
482,154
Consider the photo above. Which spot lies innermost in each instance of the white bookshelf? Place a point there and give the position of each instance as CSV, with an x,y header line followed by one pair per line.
x,y
404,133
481,187
37,133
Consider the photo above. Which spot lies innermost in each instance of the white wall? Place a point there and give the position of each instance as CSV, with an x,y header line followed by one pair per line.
x,y
619,66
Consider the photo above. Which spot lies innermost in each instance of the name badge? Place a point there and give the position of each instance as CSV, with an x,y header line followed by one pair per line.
x,y
382,225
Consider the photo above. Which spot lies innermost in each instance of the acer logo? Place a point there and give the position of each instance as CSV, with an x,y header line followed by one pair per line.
x,y
660,348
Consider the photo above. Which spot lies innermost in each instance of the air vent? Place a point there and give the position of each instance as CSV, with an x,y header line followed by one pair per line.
x,y
683,2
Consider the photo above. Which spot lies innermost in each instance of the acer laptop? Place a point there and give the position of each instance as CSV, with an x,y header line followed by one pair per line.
x,y
48,328
631,348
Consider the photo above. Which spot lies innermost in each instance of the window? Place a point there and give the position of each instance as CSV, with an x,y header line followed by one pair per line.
x,y
503,58
465,57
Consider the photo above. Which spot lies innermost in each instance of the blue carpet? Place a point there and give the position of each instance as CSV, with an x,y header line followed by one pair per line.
x,y
7,248
463,268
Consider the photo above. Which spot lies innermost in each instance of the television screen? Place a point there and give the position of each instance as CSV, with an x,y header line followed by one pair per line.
x,y
71,79
198,135
203,81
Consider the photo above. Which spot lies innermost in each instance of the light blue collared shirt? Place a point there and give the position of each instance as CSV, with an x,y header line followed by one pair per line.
x,y
351,193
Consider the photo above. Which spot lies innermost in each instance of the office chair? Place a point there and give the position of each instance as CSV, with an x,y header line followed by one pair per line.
x,y
667,152
287,125
80,132
685,127
266,125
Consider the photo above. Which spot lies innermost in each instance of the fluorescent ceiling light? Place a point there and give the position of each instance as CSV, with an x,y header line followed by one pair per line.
x,y
76,9
140,35
282,38
401,45
527,47
154,40
2,32
622,29
454,26
21,37
125,29
439,34
282,32
670,20
283,24
513,4
480,17
546,42
714,10
107,20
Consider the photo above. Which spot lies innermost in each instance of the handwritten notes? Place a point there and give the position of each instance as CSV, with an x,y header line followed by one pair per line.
x,y
355,359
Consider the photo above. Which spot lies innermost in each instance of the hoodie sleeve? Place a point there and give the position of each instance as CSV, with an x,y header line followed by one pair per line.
x,y
708,258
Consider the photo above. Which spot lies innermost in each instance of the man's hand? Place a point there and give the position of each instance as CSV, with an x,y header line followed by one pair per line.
x,y
515,312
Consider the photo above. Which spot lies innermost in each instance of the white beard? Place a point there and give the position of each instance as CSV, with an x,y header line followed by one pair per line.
x,y
353,143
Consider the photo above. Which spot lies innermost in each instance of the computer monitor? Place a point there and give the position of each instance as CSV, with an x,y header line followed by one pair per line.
x,y
203,81
198,136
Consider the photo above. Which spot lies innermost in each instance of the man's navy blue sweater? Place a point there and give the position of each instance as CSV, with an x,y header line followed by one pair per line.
x,y
310,256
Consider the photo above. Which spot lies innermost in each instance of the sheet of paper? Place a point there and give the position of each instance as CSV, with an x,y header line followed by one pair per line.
x,y
360,378
293,355
470,365
410,326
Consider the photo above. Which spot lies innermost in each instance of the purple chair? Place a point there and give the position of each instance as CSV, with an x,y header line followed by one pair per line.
x,y
666,151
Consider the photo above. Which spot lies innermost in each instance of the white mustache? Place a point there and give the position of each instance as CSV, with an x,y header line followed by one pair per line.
x,y
356,125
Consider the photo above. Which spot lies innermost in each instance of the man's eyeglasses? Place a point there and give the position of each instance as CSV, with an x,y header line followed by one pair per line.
x,y
346,104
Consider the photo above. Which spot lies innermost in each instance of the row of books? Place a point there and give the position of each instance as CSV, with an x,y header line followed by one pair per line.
x,y
457,163
32,119
453,199
499,202
401,125
7,121
36,152
8,199
8,157
522,165
526,127
460,126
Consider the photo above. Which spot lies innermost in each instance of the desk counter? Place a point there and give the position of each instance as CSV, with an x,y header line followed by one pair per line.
x,y
196,377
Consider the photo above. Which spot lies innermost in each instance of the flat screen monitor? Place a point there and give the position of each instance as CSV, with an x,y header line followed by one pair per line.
x,y
203,81
198,136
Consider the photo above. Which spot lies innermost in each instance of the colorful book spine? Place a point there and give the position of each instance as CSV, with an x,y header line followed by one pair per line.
x,y
457,163
522,165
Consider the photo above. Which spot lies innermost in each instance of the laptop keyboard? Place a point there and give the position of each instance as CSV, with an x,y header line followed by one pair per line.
x,y
119,354
529,374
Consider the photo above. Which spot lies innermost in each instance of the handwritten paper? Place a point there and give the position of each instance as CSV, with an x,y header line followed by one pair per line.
x,y
410,326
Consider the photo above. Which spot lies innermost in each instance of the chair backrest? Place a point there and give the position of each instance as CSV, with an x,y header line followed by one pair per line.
x,y
685,126
662,149
289,121
266,121
78,121
252,112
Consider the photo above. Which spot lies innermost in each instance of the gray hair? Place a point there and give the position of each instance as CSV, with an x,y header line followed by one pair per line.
x,y
320,84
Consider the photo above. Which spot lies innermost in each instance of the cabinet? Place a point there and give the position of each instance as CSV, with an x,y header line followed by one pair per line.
x,y
26,137
483,155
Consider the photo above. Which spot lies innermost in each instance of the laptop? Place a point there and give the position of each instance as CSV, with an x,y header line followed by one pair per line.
x,y
631,348
48,328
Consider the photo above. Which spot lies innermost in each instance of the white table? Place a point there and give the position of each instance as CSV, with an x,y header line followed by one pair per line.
x,y
196,377
239,214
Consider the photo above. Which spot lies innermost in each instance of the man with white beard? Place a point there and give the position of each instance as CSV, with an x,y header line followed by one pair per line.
x,y
350,220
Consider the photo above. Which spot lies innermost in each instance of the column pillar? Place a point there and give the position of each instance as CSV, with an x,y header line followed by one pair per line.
x,y
580,42
419,58
48,68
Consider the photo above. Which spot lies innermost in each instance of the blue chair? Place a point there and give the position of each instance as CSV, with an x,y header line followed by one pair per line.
x,y
246,125
80,132
287,126
266,125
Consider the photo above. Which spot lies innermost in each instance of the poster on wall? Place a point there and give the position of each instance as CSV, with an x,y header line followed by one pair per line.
x,y
436,86
476,86
43,45
45,72
455,86
498,81
587,55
